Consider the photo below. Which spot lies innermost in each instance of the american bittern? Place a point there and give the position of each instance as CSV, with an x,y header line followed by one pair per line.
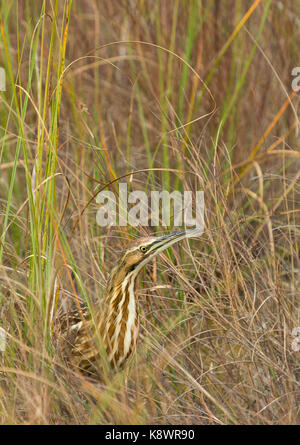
x,y
118,323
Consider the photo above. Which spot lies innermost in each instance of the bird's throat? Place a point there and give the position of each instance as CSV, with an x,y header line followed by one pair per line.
x,y
121,324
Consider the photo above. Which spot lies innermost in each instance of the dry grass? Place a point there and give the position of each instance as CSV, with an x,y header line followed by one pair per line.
x,y
218,312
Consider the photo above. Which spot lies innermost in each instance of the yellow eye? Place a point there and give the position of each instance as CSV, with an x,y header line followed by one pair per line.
x,y
143,249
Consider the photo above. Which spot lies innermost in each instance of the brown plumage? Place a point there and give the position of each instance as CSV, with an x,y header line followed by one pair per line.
x,y
114,331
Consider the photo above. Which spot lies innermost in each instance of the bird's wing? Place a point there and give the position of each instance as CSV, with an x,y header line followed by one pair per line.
x,y
70,322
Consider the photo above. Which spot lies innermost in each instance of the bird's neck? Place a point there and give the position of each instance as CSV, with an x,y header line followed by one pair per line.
x,y
120,327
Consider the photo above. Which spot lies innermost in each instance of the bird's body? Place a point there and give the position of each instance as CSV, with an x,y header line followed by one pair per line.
x,y
117,325
115,329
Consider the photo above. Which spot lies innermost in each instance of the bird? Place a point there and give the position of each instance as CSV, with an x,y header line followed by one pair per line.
x,y
114,330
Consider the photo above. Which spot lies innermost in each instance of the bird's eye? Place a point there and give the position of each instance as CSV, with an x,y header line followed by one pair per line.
x,y
143,249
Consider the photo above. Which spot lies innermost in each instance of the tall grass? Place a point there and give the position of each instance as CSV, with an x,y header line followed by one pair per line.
x,y
197,94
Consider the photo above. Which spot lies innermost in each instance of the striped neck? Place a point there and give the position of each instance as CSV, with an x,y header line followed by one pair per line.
x,y
119,327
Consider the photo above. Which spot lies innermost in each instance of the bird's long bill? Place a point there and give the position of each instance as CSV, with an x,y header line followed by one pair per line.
x,y
165,241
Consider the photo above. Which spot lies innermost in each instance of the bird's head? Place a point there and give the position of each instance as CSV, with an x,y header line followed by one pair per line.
x,y
141,251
